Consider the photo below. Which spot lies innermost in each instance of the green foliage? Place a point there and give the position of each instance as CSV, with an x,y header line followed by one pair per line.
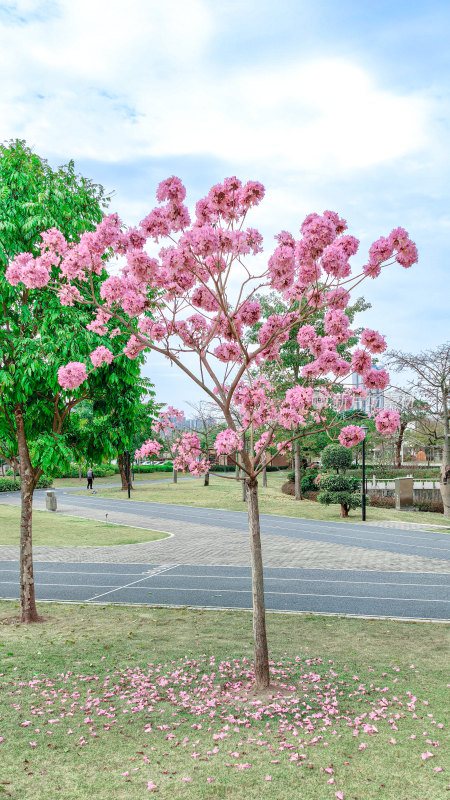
x,y
307,482
344,498
167,467
341,489
337,457
9,484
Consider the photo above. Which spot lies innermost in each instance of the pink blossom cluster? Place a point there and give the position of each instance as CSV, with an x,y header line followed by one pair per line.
x,y
351,435
188,452
228,442
384,248
374,341
101,355
150,448
387,421
167,419
72,375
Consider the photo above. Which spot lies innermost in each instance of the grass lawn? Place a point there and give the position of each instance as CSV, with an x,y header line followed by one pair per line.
x,y
114,703
56,529
226,494
75,483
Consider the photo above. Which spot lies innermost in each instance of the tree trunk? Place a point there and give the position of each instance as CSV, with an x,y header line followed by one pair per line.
x,y
27,483
174,476
236,472
297,471
206,481
445,468
262,676
122,464
398,444
264,474
344,510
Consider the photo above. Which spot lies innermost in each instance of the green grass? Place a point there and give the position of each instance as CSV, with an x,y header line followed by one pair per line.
x,y
226,494
75,483
79,642
55,530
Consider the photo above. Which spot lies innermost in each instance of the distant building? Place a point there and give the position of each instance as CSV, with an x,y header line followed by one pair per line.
x,y
374,401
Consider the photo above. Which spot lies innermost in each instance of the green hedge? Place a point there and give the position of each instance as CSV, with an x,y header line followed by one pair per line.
x,y
8,484
145,468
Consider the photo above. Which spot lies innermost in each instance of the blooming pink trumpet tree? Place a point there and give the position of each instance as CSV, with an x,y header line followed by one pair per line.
x,y
196,297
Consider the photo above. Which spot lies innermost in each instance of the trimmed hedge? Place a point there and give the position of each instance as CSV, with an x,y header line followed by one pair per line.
x,y
380,501
146,468
10,485
429,505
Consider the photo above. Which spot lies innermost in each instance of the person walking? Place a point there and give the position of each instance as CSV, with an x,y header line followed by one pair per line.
x,y
90,478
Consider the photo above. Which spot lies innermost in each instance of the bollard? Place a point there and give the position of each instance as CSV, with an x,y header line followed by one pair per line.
x,y
50,501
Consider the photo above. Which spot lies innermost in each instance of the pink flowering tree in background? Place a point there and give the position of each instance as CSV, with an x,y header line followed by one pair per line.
x,y
204,276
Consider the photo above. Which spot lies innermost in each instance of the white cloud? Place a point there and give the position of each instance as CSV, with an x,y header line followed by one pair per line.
x,y
103,81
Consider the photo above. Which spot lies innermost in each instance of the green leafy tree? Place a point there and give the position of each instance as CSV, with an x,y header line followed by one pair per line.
x,y
338,487
37,334
117,422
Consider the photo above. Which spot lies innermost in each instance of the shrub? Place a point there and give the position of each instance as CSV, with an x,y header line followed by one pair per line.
x,y
381,501
337,457
308,481
44,482
9,484
429,505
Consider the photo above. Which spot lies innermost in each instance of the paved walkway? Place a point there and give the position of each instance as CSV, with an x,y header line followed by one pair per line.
x,y
207,536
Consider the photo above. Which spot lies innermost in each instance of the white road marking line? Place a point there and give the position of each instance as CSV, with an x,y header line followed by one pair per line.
x,y
282,594
162,568
309,580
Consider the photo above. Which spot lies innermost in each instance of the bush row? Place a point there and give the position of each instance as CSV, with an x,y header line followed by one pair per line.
x,y
421,505
10,484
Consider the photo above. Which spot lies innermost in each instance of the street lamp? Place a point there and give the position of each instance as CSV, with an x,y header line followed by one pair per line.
x,y
365,429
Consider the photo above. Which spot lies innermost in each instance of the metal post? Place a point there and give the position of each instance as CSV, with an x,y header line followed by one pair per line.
x,y
364,480
127,456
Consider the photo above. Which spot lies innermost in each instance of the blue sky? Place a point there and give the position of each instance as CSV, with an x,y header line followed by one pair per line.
x,y
331,105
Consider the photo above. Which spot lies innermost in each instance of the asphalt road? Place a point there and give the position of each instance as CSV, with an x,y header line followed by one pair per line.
x,y
360,593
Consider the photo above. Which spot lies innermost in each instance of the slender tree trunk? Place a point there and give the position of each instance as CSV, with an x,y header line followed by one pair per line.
x,y
297,471
236,472
262,676
174,476
264,474
206,481
398,444
445,468
27,483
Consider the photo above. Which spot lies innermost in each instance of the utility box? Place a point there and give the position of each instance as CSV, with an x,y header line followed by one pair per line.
x,y
404,494
50,501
